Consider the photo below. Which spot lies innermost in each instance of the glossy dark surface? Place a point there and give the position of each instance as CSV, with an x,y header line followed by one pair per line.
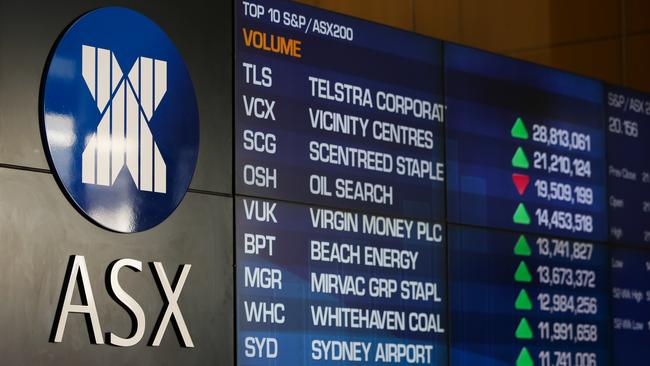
x,y
29,29
40,230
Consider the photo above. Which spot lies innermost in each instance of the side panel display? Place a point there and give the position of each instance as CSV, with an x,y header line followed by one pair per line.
x,y
631,305
628,154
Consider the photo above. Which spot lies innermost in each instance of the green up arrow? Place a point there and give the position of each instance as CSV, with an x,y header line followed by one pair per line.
x,y
523,330
519,160
522,274
524,358
521,215
522,248
523,301
519,130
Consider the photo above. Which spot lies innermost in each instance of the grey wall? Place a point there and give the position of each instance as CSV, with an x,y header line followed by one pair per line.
x,y
40,230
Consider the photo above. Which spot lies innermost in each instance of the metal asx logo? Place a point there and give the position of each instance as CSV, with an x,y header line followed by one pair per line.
x,y
122,146
126,105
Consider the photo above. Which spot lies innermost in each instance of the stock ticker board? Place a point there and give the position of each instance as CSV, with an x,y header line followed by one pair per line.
x,y
405,201
336,121
523,299
526,146
628,170
338,287
630,302
352,119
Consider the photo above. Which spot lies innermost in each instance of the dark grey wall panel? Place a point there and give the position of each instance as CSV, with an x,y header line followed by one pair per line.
x,y
39,230
201,30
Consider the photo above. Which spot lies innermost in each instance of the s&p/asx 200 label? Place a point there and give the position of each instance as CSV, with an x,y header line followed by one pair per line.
x,y
335,111
628,170
321,286
525,146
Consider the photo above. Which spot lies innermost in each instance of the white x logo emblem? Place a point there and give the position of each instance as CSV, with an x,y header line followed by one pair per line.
x,y
126,104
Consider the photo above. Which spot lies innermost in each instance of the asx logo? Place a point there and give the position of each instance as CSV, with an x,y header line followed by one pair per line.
x,y
119,120
126,104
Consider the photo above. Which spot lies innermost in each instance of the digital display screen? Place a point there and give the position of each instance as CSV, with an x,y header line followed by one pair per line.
x,y
341,122
400,200
348,118
630,305
522,299
628,149
525,146
326,286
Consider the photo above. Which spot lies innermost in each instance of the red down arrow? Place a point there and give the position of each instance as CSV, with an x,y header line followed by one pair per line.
x,y
521,182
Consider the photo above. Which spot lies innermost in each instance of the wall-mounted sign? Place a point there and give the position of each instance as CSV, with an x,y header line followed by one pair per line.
x,y
120,120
